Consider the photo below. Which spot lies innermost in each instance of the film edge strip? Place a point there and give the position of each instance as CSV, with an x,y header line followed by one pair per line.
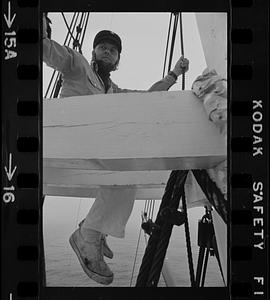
x,y
20,157
249,172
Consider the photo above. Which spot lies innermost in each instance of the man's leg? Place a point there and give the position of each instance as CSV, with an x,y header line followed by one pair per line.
x,y
110,212
108,215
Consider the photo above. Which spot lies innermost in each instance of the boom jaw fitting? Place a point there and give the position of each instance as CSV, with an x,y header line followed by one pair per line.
x,y
169,215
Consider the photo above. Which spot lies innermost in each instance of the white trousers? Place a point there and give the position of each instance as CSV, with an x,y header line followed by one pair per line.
x,y
111,210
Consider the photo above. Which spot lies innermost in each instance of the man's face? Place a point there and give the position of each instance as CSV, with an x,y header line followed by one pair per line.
x,y
107,53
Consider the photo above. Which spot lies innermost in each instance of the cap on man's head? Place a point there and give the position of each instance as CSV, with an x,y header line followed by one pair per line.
x,y
107,35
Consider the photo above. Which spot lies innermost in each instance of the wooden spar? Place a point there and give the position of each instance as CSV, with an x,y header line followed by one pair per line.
x,y
130,132
109,133
213,32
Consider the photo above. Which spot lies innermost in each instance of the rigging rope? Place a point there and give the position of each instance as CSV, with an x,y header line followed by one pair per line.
x,y
135,258
177,16
157,244
188,243
152,243
182,46
173,41
167,46
150,208
68,28
187,232
78,33
152,214
76,15
166,231
87,20
181,34
147,213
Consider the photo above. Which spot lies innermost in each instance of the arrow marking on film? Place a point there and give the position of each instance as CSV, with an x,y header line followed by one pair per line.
x,y
10,172
8,19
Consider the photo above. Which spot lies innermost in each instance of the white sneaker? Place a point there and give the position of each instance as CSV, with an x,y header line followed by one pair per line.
x,y
90,255
106,249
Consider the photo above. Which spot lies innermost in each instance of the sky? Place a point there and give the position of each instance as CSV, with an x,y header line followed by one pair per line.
x,y
144,37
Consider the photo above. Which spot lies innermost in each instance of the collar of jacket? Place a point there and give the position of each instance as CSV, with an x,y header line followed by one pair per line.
x,y
94,67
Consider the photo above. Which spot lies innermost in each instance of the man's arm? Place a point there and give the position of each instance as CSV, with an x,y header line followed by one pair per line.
x,y
164,84
56,56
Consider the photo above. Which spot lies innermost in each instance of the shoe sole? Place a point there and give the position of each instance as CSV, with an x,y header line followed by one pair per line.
x,y
97,277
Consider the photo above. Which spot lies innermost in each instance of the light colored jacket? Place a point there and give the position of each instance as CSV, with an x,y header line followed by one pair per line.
x,y
80,77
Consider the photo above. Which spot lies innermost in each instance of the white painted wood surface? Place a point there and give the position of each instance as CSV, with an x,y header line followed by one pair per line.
x,y
85,183
130,132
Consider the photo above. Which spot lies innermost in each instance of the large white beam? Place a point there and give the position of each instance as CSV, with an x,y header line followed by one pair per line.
x,y
88,191
130,132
